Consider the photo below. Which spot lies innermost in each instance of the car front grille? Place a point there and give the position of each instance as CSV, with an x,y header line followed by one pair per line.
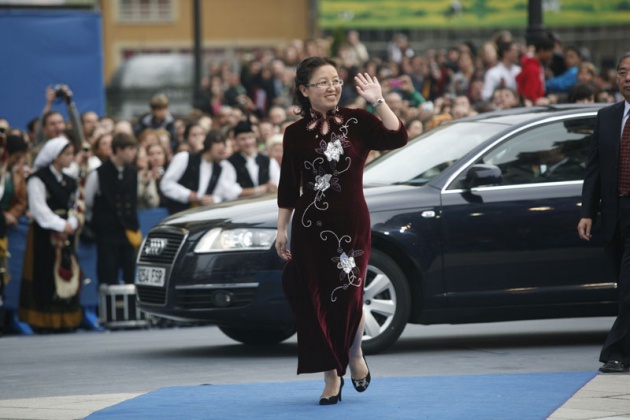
x,y
161,246
199,298
151,295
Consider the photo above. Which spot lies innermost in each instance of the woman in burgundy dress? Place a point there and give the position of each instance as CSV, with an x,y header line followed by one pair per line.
x,y
322,181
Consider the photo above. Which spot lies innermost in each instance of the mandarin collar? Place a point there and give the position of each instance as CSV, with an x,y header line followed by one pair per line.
x,y
324,124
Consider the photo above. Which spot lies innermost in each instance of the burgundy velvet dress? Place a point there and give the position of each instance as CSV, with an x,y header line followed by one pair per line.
x,y
322,179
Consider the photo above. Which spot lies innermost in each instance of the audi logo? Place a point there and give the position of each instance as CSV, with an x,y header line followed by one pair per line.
x,y
155,246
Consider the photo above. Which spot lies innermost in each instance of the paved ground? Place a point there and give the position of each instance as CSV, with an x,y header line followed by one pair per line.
x,y
604,397
31,387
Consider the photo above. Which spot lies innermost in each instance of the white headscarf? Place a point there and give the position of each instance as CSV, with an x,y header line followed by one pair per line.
x,y
52,148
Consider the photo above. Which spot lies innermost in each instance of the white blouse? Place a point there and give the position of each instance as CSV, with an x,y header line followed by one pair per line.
x,y
42,214
227,188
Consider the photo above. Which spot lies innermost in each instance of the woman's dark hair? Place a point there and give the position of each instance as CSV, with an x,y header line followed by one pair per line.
x,y
188,128
582,91
213,136
303,74
99,139
16,144
122,141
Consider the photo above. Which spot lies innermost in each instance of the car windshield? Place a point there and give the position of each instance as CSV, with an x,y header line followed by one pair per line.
x,y
428,155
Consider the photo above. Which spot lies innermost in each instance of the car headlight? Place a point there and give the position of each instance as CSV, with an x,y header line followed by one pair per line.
x,y
219,240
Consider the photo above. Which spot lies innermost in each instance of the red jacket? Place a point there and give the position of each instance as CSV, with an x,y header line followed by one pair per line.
x,y
531,80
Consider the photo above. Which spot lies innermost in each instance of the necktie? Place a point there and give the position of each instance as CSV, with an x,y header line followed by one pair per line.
x,y
624,160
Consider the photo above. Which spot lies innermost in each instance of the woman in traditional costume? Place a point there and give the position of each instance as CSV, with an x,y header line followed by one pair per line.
x,y
49,299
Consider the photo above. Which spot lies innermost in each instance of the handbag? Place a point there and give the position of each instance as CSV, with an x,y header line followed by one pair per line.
x,y
66,272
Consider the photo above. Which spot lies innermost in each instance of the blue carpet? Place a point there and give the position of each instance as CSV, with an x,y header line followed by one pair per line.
x,y
517,396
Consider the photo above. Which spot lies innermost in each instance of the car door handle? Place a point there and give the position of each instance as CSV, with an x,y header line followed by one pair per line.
x,y
428,214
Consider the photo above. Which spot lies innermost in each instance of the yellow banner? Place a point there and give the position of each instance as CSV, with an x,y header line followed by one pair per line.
x,y
455,14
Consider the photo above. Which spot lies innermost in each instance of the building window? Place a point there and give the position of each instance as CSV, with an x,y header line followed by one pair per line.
x,y
145,10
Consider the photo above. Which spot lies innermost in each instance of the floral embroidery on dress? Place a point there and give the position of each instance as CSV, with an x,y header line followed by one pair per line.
x,y
333,152
345,263
322,182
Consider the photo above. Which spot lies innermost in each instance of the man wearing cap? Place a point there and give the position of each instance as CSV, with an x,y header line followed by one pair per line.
x,y
255,172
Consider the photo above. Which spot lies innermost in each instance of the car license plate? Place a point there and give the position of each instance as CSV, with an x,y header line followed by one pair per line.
x,y
151,276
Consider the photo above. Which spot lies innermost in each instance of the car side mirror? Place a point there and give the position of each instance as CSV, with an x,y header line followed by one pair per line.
x,y
480,175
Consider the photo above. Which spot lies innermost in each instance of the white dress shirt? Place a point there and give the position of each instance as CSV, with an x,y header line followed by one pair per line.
x,y
253,169
42,214
92,189
227,188
493,78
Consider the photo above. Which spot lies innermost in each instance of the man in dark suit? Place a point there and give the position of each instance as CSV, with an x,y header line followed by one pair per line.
x,y
607,189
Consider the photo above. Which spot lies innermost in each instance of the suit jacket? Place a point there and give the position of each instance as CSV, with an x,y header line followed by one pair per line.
x,y
600,191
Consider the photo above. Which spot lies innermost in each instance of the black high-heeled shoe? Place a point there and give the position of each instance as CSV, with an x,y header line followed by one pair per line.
x,y
362,384
334,399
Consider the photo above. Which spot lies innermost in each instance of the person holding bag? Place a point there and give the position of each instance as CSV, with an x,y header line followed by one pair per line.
x,y
49,299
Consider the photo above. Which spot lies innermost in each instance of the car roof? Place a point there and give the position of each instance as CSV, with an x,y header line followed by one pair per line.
x,y
512,119
524,114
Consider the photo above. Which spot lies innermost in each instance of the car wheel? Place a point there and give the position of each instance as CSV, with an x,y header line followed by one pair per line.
x,y
386,303
258,336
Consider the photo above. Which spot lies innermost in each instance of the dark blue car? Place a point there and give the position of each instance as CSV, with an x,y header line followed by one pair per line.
x,y
474,221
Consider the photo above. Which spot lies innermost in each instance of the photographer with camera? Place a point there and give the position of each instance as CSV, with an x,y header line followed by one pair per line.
x,y
52,124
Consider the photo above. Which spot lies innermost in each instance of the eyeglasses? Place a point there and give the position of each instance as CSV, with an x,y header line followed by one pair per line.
x,y
326,85
622,73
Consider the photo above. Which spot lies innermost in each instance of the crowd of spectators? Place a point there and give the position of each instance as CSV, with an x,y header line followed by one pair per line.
x,y
423,88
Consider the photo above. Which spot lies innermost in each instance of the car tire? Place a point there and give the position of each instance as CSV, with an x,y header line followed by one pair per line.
x,y
258,336
386,303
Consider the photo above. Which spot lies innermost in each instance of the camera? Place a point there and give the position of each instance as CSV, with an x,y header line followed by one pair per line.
x,y
395,83
60,92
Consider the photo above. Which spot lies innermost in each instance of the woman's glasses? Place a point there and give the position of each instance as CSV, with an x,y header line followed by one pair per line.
x,y
326,85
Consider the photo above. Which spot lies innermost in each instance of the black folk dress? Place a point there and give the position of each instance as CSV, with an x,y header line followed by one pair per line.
x,y
40,305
